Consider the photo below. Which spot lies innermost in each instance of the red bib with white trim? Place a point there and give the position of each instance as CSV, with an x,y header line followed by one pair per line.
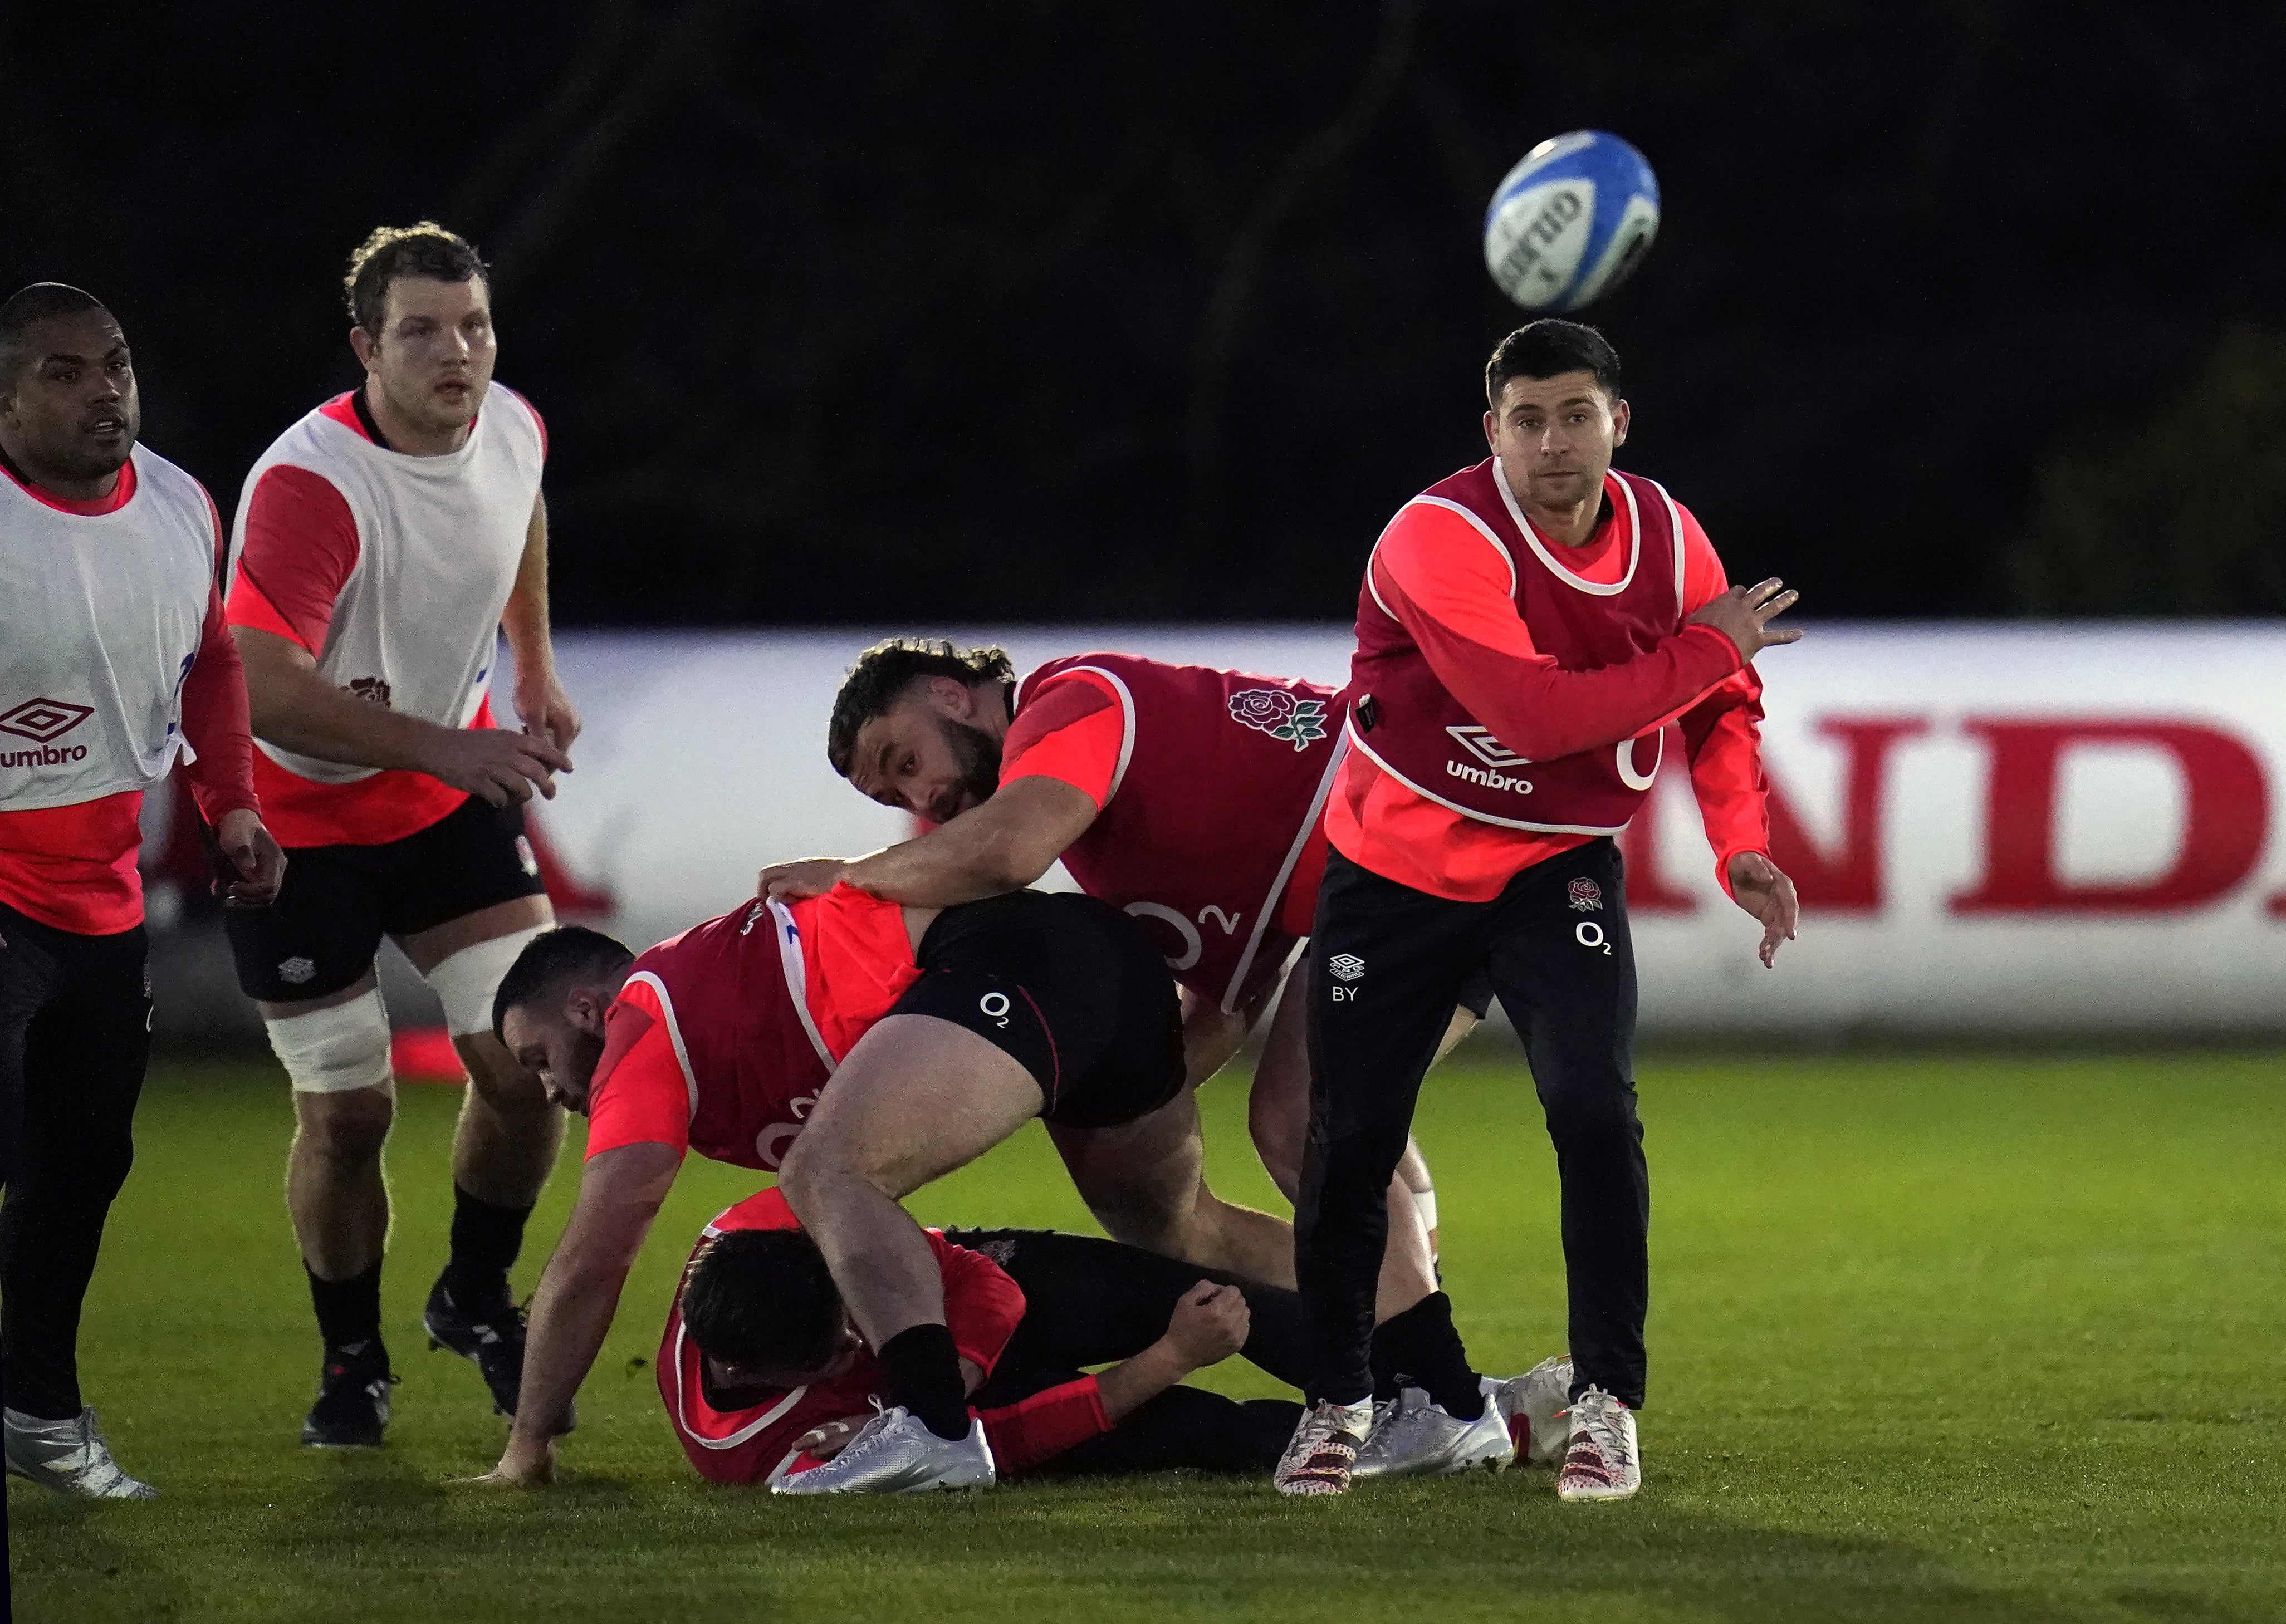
x,y
1404,719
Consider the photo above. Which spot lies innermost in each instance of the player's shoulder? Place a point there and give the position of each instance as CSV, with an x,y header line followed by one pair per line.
x,y
168,481
513,410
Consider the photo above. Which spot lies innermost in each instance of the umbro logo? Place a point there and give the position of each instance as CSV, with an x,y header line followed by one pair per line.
x,y
295,971
1479,742
1345,966
43,719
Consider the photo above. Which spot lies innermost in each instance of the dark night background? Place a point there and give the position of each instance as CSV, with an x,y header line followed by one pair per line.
x,y
1002,312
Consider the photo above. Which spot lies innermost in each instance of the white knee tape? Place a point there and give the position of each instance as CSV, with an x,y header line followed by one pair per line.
x,y
1425,1203
332,1050
465,983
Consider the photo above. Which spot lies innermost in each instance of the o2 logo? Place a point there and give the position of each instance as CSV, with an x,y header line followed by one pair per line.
x,y
995,1006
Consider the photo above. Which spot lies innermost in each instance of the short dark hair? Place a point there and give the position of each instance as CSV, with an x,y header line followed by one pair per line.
x,y
763,1297
423,249
1547,349
886,670
554,959
25,309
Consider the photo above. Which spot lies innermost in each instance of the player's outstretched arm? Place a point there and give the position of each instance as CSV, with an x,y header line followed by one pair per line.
x,y
1003,845
298,709
1208,1324
619,1195
1761,889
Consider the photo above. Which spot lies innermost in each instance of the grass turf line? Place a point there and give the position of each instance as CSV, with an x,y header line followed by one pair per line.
x,y
1932,1339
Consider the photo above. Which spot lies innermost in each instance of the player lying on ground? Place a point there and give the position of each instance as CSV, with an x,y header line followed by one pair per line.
x,y
764,1376
1192,799
943,1031
385,542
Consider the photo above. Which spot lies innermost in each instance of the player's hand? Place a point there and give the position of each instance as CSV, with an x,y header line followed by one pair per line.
x,y
546,709
1762,889
824,1443
254,852
522,1466
503,767
1209,1324
1744,614
791,882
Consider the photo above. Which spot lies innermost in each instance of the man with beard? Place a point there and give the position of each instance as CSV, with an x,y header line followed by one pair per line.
x,y
385,542
114,664
1191,798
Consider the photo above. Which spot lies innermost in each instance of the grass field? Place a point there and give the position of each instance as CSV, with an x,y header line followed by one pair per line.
x,y
1932,1338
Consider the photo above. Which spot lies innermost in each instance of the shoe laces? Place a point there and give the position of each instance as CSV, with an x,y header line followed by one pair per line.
x,y
1597,1414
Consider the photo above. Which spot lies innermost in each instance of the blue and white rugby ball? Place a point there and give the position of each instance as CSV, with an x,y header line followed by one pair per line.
x,y
1569,222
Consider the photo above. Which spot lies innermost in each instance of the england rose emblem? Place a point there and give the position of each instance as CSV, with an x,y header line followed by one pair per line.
x,y
1587,897
1300,722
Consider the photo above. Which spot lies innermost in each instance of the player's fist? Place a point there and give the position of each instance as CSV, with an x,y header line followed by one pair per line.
x,y
544,709
254,853
791,882
1209,1324
504,768
1743,615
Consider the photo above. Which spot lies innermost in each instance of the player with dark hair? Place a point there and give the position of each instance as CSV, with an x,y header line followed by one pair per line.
x,y
115,665
1191,798
385,542
1526,629
764,1376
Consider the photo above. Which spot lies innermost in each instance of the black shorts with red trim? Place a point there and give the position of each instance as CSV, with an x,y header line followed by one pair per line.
x,y
1070,989
338,902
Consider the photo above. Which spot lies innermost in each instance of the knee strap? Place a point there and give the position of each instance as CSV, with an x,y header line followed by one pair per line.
x,y
465,982
332,1050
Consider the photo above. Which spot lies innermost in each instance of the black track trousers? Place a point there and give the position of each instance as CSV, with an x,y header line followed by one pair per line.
x,y
1386,966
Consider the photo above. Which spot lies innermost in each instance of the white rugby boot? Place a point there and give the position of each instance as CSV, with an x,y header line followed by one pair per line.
x,y
69,1457
1601,1460
1323,1451
1535,1404
894,1454
1413,1438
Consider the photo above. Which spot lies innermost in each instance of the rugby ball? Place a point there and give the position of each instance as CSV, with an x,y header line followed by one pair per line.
x,y
1569,223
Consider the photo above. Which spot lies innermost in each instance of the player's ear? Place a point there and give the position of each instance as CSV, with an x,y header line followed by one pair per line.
x,y
950,697
362,346
1491,430
1620,419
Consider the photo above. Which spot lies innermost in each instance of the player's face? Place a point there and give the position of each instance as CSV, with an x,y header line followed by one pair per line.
x,y
562,1048
930,764
845,1350
74,412
1554,436
434,357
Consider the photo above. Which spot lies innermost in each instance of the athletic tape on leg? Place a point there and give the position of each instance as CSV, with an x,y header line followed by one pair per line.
x,y
1425,1203
334,1049
465,982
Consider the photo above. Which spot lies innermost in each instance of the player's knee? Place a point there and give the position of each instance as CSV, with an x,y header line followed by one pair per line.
x,y
1592,1112
465,982
349,1129
338,1050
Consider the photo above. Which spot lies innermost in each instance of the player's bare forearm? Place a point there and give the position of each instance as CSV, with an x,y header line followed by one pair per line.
x,y
542,704
1002,846
1133,1382
296,709
619,1195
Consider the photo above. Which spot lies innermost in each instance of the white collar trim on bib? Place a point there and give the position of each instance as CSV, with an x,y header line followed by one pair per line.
x,y
1635,537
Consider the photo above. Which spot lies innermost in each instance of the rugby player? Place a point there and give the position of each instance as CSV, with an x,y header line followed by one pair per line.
x,y
763,1375
1192,797
941,1032
115,665
1525,630
384,541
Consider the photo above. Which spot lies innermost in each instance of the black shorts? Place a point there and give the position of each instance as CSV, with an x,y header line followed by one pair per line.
x,y
1070,989
338,902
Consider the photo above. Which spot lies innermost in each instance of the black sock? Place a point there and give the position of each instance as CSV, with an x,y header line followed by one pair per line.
x,y
924,1371
1422,1350
349,1312
486,1239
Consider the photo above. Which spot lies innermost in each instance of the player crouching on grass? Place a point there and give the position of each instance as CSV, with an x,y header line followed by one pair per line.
x,y
765,1377
861,1049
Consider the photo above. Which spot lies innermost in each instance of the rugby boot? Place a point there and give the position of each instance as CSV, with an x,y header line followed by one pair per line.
x,y
352,1407
1413,1438
1601,1460
894,1454
69,1457
1535,1404
1323,1451
490,1336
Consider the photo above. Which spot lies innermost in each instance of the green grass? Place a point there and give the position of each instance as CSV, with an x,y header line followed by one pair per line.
x,y
1934,1338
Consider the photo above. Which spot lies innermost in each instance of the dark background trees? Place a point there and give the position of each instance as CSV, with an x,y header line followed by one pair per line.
x,y
894,311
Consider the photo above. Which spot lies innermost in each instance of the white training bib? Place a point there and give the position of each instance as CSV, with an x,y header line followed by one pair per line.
x,y
439,542
100,617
